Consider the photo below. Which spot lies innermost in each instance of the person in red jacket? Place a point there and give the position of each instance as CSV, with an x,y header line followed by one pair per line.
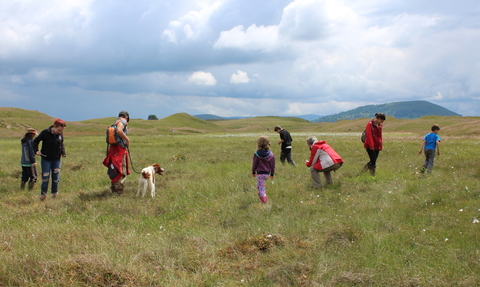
x,y
323,158
373,141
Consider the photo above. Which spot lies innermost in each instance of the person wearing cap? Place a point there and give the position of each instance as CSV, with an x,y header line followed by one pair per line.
x,y
51,152
27,161
117,156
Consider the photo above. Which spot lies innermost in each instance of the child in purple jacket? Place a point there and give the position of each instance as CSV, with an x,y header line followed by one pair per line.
x,y
263,166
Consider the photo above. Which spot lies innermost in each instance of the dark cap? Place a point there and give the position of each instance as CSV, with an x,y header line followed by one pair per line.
x,y
125,114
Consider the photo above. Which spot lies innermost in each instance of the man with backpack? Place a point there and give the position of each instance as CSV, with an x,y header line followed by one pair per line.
x,y
117,155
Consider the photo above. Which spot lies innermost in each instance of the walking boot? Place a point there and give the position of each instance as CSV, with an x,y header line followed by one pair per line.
x,y
31,184
22,185
365,168
372,170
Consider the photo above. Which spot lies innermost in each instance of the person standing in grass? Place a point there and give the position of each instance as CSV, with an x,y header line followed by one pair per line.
x,y
52,151
263,166
28,161
431,142
323,158
117,155
286,142
373,141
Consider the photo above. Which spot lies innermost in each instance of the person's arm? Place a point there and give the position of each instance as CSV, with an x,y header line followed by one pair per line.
x,y
309,162
438,147
281,138
423,145
62,148
31,152
272,168
369,140
36,141
121,134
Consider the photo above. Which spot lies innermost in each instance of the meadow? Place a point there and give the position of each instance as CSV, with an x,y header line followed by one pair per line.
x,y
207,226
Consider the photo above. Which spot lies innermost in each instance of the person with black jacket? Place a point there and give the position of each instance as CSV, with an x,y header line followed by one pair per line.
x,y
286,142
52,151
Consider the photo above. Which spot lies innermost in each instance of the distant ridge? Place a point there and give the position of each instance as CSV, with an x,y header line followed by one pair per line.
x,y
398,110
214,117
308,117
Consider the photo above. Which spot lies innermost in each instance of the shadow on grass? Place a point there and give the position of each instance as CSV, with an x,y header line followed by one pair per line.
x,y
90,196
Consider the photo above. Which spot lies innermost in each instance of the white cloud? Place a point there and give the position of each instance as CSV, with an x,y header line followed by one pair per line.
x,y
202,78
312,56
191,25
239,77
262,38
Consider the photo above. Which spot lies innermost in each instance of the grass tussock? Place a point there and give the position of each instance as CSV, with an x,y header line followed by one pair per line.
x,y
207,227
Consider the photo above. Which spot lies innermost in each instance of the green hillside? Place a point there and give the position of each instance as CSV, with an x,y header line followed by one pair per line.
x,y
13,123
399,110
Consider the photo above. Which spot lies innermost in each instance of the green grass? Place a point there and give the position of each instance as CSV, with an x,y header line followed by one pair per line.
x,y
207,227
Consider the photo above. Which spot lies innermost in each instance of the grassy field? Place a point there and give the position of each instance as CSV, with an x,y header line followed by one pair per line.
x,y
207,227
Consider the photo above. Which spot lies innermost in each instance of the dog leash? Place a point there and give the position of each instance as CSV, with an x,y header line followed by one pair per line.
x,y
131,163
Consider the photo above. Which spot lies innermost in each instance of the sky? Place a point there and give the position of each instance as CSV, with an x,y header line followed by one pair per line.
x,y
88,59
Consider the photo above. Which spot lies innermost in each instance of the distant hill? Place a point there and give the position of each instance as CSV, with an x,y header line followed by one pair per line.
x,y
399,110
308,117
214,117
14,121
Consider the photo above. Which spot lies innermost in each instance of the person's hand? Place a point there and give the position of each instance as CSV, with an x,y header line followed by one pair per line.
x,y
280,142
127,142
253,175
271,177
420,152
38,153
34,164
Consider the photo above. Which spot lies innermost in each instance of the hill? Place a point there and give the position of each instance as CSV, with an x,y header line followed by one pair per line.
x,y
308,117
13,123
399,110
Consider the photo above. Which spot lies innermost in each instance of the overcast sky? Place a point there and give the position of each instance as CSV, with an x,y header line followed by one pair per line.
x,y
86,59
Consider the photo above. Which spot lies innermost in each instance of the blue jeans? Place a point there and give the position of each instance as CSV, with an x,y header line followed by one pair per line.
x,y
50,167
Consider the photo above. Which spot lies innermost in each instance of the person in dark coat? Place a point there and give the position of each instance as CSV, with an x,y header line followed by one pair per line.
x,y
286,142
52,151
28,161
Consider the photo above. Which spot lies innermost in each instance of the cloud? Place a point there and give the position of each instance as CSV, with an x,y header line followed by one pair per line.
x,y
239,77
202,78
263,38
302,56
189,27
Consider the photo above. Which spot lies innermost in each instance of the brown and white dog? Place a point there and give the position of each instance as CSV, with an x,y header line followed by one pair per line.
x,y
147,179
